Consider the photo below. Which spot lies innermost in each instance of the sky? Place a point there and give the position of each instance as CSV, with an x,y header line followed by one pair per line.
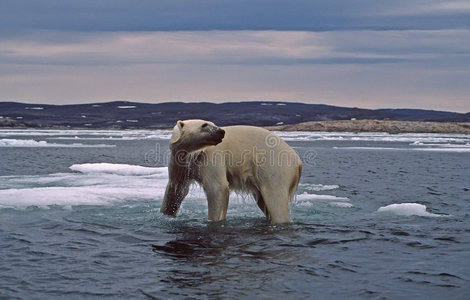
x,y
361,53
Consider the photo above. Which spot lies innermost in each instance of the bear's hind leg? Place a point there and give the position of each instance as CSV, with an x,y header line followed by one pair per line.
x,y
277,204
260,202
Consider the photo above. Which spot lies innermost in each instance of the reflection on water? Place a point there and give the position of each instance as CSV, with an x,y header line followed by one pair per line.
x,y
242,258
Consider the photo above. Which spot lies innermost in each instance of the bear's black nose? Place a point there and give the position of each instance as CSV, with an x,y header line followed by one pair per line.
x,y
219,135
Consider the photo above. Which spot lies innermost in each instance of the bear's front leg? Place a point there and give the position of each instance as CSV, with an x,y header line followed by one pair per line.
x,y
217,193
174,195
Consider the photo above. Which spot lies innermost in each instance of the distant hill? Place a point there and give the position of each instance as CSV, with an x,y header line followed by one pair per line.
x,y
124,114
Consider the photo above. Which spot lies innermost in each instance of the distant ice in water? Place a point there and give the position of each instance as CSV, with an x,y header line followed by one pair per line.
x,y
413,139
22,143
88,134
318,187
34,143
119,169
342,204
455,143
307,200
408,209
447,149
314,197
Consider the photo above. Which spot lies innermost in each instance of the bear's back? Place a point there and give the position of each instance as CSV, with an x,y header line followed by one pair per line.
x,y
246,146
246,135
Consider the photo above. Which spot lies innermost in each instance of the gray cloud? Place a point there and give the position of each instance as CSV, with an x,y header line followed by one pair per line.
x,y
171,15
355,68
434,47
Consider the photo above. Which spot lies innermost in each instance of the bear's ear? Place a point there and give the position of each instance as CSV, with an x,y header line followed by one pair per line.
x,y
177,131
180,124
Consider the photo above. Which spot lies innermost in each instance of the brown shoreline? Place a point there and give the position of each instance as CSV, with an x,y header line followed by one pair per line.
x,y
393,127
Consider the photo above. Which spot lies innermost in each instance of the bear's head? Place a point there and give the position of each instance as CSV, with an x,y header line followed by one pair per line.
x,y
192,135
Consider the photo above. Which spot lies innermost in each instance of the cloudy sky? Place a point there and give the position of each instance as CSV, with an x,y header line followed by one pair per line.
x,y
363,53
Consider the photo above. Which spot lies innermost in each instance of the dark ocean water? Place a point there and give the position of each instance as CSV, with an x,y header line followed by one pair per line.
x,y
377,216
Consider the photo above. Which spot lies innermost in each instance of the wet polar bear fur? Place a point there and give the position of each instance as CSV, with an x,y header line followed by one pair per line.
x,y
246,159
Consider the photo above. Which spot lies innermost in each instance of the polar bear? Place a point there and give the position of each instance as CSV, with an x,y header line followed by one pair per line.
x,y
241,158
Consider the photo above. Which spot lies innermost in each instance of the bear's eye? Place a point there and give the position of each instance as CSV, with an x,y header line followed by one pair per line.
x,y
204,125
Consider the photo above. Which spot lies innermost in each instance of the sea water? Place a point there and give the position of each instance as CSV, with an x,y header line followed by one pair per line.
x,y
376,216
